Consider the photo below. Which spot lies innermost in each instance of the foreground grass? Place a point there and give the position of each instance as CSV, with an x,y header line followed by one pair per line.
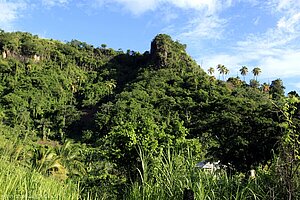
x,y
159,177
17,182
167,178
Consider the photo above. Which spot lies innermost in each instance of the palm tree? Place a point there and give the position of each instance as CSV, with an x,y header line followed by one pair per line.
x,y
221,68
69,155
226,71
211,70
256,71
44,159
244,71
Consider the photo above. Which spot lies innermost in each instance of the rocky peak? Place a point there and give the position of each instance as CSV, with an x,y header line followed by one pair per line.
x,y
166,52
160,48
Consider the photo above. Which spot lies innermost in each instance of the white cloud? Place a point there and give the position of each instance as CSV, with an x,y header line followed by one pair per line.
x,y
286,31
168,14
289,24
203,27
229,61
202,23
276,51
51,3
276,64
285,5
138,7
266,42
10,12
285,64
276,60
211,5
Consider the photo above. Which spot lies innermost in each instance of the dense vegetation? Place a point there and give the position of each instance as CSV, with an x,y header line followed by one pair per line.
x,y
95,123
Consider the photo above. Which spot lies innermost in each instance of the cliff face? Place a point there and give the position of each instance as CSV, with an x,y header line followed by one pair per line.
x,y
166,53
160,47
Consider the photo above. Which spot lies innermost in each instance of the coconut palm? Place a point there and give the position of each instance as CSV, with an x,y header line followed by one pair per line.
x,y
226,71
221,68
244,71
256,71
211,70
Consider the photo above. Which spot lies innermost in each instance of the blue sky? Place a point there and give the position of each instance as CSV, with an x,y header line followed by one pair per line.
x,y
254,33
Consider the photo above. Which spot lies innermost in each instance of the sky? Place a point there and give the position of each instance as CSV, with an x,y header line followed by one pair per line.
x,y
235,33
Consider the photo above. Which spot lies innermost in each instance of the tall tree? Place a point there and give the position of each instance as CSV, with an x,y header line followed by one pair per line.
x,y
254,83
277,89
236,123
211,70
226,71
256,71
244,71
222,70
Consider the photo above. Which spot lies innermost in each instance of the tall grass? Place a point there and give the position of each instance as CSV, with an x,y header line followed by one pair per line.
x,y
17,182
166,177
159,177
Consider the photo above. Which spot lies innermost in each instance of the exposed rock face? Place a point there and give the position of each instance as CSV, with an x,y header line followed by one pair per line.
x,y
168,53
159,49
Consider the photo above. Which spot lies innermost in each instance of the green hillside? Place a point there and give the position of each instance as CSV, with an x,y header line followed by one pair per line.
x,y
95,123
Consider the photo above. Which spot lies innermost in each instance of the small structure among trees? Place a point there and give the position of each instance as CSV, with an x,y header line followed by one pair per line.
x,y
209,166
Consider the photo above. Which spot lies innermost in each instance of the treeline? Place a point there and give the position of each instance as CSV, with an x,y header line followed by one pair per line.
x,y
87,113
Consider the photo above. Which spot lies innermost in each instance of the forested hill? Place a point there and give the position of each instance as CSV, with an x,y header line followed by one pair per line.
x,y
108,106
